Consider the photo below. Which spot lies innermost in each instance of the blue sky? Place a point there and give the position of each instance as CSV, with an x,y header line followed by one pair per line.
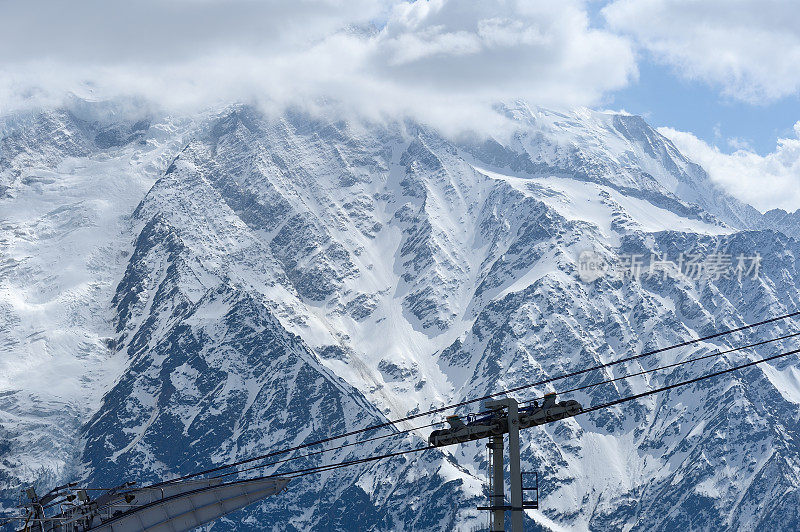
x,y
665,99
721,79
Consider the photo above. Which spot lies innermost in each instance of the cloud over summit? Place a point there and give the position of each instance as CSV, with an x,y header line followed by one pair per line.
x,y
386,56
445,62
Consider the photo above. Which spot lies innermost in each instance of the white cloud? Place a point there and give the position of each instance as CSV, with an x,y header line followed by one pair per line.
x,y
435,58
540,50
765,182
151,32
748,48
737,143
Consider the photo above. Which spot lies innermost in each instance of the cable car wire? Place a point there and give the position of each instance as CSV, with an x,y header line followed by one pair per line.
x,y
684,383
478,399
564,392
329,467
259,466
674,364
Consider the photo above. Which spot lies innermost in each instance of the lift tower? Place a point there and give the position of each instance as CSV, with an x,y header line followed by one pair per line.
x,y
505,417
512,415
497,498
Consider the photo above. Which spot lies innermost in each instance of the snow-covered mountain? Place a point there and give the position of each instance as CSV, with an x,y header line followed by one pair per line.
x,y
182,292
780,220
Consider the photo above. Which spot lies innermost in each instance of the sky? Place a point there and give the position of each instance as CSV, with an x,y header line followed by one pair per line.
x,y
720,78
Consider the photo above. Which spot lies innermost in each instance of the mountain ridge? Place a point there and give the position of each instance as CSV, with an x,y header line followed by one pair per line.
x,y
407,270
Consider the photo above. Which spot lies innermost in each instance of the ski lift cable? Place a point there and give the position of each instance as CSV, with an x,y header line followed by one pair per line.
x,y
608,404
572,390
668,366
478,399
383,436
686,382
330,467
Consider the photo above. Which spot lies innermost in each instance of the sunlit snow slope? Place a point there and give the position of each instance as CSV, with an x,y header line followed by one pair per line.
x,y
182,293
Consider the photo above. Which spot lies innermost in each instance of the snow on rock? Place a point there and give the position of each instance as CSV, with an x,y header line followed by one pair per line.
x,y
212,288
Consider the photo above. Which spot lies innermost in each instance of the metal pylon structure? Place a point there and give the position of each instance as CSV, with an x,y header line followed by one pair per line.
x,y
497,498
497,505
504,416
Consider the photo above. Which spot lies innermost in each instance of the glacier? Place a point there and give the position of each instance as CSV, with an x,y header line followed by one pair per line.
x,y
179,292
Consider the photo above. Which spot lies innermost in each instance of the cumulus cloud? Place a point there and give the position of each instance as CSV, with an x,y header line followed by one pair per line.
x,y
765,182
539,49
748,48
437,57
151,32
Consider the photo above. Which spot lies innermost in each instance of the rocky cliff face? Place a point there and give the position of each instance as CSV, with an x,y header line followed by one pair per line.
x,y
785,222
239,283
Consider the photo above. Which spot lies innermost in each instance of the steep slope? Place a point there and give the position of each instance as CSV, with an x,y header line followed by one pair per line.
x,y
67,193
618,150
294,277
214,371
787,223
